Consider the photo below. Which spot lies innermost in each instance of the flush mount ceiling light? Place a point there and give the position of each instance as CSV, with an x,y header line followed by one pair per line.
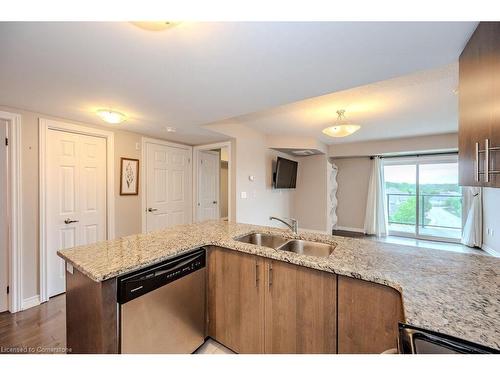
x,y
170,129
155,25
111,117
341,128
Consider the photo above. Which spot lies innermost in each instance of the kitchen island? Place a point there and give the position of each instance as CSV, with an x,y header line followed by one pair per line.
x,y
451,293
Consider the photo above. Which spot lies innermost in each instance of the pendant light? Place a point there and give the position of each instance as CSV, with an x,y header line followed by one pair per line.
x,y
342,128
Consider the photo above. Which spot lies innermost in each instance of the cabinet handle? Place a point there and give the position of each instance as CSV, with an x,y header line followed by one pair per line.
x,y
270,281
477,162
487,160
256,274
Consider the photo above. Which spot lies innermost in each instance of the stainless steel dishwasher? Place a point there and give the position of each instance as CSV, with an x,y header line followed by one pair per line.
x,y
415,340
162,307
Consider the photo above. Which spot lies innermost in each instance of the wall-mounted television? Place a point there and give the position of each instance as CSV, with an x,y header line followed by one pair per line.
x,y
286,174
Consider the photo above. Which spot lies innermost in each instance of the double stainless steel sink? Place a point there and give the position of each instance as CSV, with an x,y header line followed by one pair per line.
x,y
313,248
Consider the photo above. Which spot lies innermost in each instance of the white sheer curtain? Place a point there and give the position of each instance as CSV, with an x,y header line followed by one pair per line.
x,y
472,234
376,212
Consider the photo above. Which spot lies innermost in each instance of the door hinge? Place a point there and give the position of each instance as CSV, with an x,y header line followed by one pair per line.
x,y
6,141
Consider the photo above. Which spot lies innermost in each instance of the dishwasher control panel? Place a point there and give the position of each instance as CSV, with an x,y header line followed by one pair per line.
x,y
140,282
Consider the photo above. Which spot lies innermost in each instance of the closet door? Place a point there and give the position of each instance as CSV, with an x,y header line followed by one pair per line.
x,y
75,198
168,186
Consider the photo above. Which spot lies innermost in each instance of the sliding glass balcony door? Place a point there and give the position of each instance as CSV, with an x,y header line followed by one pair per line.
x,y
423,197
401,192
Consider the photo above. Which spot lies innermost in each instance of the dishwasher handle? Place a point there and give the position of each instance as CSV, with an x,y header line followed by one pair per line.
x,y
141,282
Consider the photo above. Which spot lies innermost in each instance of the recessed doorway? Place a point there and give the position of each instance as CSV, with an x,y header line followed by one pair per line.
x,y
213,182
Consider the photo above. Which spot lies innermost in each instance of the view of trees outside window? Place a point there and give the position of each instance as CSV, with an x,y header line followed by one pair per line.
x,y
439,211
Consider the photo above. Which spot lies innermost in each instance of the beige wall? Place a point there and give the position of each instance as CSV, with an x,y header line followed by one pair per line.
x,y
128,217
310,205
352,178
491,208
252,157
127,208
441,142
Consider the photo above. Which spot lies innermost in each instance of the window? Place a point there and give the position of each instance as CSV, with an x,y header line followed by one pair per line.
x,y
423,197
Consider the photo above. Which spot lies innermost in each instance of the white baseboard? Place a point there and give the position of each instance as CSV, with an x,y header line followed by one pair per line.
x,y
490,251
30,302
349,229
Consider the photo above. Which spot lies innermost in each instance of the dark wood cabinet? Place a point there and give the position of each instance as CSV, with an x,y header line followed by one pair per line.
x,y
368,316
236,300
479,107
300,309
259,305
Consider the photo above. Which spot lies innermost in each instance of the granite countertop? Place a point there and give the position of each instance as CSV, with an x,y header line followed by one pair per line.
x,y
453,293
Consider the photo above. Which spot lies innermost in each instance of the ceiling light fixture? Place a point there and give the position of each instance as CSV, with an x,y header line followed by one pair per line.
x,y
170,129
342,128
155,25
111,117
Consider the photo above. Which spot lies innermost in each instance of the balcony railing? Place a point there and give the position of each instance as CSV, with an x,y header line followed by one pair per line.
x,y
448,208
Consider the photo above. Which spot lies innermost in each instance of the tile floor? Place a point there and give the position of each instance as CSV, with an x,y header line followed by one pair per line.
x,y
446,246
437,245
213,347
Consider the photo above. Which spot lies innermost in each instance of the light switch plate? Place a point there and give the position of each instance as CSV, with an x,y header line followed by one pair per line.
x,y
243,195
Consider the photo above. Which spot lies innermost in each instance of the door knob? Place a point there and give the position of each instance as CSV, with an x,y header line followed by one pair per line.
x,y
214,202
69,221
152,209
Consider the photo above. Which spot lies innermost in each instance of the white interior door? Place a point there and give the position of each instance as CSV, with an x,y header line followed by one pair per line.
x,y
75,198
4,255
208,185
168,186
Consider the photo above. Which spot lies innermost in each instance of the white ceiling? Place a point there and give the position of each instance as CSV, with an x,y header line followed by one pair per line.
x,y
422,103
200,73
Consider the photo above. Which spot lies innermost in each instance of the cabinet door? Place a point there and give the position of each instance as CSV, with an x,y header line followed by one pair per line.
x,y
479,93
301,311
368,315
236,300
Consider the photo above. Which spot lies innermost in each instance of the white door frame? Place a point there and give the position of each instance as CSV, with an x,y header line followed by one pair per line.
x,y
144,141
45,125
16,224
196,158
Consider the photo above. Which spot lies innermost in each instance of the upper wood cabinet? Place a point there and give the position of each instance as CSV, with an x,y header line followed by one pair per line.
x,y
479,107
368,316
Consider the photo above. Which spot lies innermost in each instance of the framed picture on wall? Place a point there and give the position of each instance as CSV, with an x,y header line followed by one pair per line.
x,y
129,176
